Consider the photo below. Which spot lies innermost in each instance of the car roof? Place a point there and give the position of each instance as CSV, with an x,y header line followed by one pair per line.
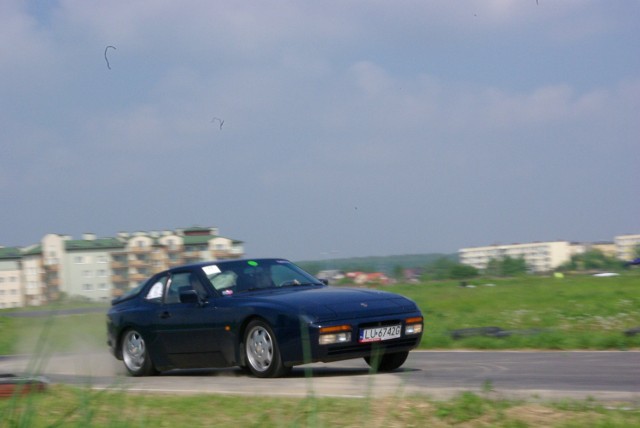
x,y
223,262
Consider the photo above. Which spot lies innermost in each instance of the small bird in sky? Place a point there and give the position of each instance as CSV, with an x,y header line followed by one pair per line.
x,y
105,55
219,120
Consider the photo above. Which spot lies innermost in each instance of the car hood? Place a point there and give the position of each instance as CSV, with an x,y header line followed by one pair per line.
x,y
329,303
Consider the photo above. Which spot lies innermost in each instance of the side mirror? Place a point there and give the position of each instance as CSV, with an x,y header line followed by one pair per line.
x,y
191,296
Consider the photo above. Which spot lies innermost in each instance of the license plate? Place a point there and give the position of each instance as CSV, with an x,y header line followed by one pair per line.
x,y
378,334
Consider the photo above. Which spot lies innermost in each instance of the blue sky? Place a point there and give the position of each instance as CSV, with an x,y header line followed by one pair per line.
x,y
351,128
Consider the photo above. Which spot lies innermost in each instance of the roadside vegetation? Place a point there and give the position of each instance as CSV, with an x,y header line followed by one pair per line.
x,y
569,312
82,407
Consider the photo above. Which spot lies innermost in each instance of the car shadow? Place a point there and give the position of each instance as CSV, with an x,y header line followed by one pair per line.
x,y
296,373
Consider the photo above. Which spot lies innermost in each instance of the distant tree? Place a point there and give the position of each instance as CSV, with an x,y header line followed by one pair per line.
x,y
493,268
591,260
439,269
398,272
447,268
506,266
636,252
461,271
514,266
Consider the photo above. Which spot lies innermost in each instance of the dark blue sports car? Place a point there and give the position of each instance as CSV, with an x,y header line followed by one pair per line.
x,y
265,315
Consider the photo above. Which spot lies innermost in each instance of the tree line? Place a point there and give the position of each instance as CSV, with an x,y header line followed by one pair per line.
x,y
447,267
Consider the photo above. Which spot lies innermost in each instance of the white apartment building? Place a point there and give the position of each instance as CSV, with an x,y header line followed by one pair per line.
x,y
626,246
547,256
539,256
10,278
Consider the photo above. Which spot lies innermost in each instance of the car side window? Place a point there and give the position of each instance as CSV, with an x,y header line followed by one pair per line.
x,y
179,282
224,280
155,292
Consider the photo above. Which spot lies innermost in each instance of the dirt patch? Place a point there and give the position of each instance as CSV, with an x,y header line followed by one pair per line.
x,y
536,415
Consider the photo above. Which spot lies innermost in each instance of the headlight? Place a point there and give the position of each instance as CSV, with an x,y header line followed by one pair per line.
x,y
413,325
335,334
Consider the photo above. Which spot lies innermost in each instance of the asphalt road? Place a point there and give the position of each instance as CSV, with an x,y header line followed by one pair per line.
x,y
438,374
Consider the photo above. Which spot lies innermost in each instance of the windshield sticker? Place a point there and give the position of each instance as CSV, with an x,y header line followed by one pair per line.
x,y
252,263
227,292
210,270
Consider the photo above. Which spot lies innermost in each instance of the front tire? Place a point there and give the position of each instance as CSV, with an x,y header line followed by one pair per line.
x,y
135,354
387,362
261,351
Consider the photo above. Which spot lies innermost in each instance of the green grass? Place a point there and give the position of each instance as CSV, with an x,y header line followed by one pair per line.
x,y
83,407
579,312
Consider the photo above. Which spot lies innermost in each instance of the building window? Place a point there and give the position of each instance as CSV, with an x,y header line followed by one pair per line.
x,y
87,287
87,274
78,260
102,259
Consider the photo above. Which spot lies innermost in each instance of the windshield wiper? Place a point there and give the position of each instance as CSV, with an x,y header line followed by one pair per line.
x,y
296,283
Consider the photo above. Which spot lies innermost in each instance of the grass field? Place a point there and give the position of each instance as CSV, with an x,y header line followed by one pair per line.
x,y
581,312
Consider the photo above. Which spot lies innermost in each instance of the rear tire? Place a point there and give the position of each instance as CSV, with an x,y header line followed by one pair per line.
x,y
135,354
387,362
261,352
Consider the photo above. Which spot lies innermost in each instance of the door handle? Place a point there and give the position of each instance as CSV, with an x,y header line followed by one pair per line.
x,y
165,315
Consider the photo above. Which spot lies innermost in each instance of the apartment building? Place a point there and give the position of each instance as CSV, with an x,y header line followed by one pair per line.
x,y
98,269
547,256
626,246
539,256
11,295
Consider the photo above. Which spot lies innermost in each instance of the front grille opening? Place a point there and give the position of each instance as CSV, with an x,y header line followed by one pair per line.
x,y
384,323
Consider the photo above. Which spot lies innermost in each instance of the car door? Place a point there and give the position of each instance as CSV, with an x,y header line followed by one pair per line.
x,y
189,332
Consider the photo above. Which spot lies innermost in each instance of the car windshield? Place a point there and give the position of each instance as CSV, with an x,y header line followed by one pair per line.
x,y
250,275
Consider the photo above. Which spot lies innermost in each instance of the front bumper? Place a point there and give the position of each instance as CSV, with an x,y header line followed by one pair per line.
x,y
313,351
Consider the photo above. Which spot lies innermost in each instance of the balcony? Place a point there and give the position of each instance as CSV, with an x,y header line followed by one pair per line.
x,y
52,282
138,263
158,256
137,277
191,255
119,279
118,265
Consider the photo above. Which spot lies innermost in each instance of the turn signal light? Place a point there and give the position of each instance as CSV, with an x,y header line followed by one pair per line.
x,y
335,334
413,325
